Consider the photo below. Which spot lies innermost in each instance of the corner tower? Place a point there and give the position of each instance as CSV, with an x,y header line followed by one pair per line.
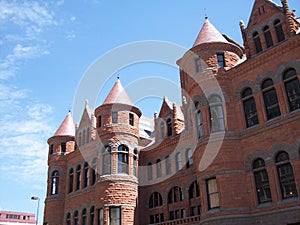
x,y
118,132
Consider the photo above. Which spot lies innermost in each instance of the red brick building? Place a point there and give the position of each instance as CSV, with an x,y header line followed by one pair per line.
x,y
230,154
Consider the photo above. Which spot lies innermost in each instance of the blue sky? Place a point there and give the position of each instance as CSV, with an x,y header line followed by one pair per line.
x,y
47,46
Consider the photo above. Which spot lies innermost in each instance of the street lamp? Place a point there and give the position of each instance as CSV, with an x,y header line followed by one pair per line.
x,y
38,206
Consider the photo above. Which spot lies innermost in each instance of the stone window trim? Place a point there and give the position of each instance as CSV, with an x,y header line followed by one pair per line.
x,y
244,85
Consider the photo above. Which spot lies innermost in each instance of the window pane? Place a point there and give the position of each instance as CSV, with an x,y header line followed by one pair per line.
x,y
271,104
250,112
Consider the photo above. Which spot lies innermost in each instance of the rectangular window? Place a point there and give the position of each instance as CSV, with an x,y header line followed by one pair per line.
x,y
51,149
168,165
221,60
100,217
63,147
99,121
114,116
131,119
106,167
198,65
114,216
212,193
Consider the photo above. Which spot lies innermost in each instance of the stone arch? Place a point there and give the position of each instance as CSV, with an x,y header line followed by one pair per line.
x,y
266,75
245,84
59,169
283,67
291,150
257,154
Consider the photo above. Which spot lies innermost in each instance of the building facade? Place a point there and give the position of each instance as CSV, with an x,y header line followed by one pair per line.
x,y
14,218
229,154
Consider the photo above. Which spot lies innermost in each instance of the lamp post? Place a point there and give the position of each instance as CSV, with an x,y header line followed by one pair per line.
x,y
38,206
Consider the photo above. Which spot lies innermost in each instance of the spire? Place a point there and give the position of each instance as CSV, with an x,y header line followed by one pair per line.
x,y
118,95
209,33
67,127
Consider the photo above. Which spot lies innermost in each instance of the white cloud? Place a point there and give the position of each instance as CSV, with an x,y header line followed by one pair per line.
x,y
73,18
71,35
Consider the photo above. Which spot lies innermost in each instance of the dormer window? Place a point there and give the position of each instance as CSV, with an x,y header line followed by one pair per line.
x,y
221,60
268,36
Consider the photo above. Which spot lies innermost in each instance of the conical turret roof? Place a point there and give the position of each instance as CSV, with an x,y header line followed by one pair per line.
x,y
209,33
67,127
118,95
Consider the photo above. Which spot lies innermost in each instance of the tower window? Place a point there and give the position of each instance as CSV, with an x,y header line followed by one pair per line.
x,y
198,65
189,158
169,127
115,216
212,193
123,159
162,130
178,161
106,161
51,149
199,120
114,116
99,121
158,168
54,182
257,42
149,171
63,147
216,114
221,60
168,165
131,119
268,36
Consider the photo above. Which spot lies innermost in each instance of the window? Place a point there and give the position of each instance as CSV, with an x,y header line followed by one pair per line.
x,y
249,105
195,210
199,120
75,218
68,219
63,147
263,190
158,168
178,161
94,171
135,164
279,30
83,138
175,195
169,127
54,182
221,60
106,161
51,149
71,180
157,218
83,217
149,171
99,121
212,193
86,175
285,176
79,139
78,177
270,99
194,191
198,65
131,119
114,116
168,165
257,42
155,200
123,159
88,135
189,158
268,36
177,214
114,216
162,130
216,114
92,215
100,217
292,89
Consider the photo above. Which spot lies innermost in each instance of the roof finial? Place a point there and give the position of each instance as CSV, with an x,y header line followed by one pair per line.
x,y
205,12
118,75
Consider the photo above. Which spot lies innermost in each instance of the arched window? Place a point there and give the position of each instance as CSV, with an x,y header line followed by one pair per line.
x,y
158,168
86,175
75,218
94,172
285,175
216,114
88,135
292,88
79,139
257,42
263,190
270,99
268,36
106,160
123,159
194,191
189,158
155,200
168,165
279,30
68,219
71,180
135,165
249,108
178,161
83,217
199,119
162,130
78,177
169,127
175,195
54,182
83,138
92,215
149,171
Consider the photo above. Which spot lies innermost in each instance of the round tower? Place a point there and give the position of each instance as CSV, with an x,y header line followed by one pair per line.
x,y
118,132
60,144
